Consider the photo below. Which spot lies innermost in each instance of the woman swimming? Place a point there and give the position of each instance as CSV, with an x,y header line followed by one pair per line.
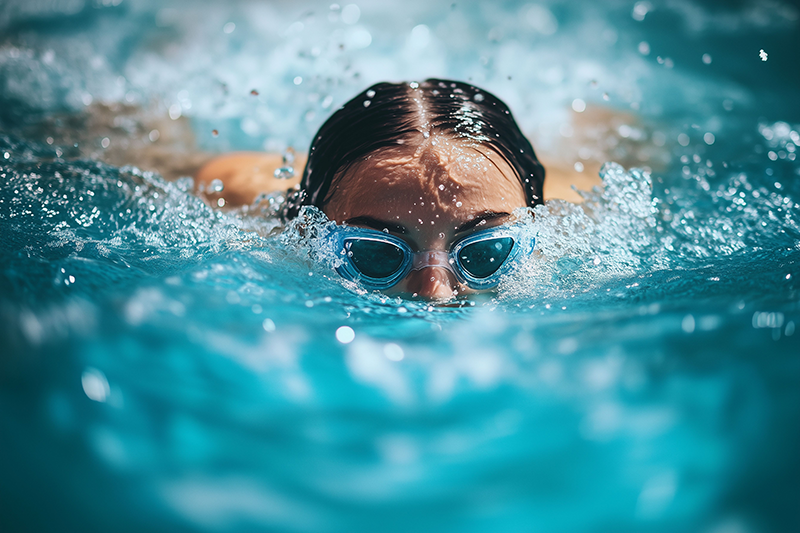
x,y
423,180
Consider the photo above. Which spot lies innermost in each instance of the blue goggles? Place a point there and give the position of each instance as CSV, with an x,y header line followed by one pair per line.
x,y
378,260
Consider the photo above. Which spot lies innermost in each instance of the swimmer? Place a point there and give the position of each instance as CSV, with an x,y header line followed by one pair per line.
x,y
423,180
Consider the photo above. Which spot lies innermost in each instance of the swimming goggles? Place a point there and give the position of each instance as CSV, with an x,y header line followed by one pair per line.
x,y
378,260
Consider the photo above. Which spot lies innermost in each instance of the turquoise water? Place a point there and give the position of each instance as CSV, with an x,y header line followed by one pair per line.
x,y
170,367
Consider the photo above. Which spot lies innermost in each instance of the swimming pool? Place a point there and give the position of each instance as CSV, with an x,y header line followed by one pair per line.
x,y
169,367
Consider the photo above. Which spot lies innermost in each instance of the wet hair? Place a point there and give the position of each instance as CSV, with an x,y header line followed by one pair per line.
x,y
389,114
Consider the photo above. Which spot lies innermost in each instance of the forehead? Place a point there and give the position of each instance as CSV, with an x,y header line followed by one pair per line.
x,y
439,177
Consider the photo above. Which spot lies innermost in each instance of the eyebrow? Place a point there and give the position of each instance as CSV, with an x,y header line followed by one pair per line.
x,y
377,224
478,219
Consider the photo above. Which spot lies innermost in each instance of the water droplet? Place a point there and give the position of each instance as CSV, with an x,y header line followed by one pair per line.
x,y
345,334
95,385
350,14
459,204
478,97
367,103
370,93
216,185
284,173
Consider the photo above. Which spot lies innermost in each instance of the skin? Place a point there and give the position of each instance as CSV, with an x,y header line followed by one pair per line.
x,y
430,192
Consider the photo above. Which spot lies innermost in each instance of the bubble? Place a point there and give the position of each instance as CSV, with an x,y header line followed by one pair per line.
x,y
578,105
367,103
709,138
229,27
345,334
216,185
154,135
578,166
644,48
297,80
706,59
683,139
268,325
478,97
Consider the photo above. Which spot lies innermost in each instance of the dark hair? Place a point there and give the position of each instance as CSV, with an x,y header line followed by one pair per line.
x,y
387,114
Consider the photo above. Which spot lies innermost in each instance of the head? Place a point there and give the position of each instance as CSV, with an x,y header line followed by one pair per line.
x,y
429,162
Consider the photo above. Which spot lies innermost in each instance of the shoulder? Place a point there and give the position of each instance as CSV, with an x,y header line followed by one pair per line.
x,y
244,175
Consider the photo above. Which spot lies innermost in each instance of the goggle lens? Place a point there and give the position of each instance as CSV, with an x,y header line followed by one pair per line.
x,y
374,259
482,259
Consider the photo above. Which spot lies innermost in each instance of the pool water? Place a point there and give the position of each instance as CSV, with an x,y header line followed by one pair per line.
x,y
167,366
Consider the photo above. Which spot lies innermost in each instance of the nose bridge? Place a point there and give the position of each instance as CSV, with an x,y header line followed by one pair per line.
x,y
432,282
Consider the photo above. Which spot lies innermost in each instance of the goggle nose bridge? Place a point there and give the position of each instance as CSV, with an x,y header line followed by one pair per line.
x,y
432,259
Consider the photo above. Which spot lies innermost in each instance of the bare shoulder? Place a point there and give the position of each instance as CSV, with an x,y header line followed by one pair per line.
x,y
590,138
244,175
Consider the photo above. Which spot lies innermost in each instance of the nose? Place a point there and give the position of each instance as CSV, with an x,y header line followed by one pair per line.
x,y
431,283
